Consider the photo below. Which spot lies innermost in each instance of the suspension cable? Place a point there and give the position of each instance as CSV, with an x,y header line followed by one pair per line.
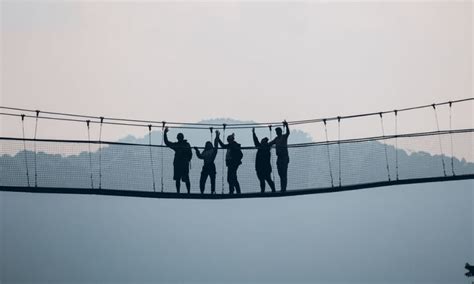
x,y
151,157
24,149
100,152
90,154
396,141
223,158
385,147
339,146
439,138
329,155
34,146
451,138
117,121
163,125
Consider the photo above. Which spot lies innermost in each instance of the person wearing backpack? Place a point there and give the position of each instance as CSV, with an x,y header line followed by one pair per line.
x,y
209,168
182,157
233,160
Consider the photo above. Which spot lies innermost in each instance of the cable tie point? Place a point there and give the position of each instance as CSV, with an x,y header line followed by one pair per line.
x,y
434,106
338,119
37,112
22,117
101,119
149,127
324,121
88,122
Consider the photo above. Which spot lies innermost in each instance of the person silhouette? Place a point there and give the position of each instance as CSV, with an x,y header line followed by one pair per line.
x,y
263,166
233,159
283,159
182,157
209,168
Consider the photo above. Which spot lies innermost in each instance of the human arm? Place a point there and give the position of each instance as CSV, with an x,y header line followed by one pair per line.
x,y
198,154
219,141
273,142
216,146
216,143
287,128
165,137
255,138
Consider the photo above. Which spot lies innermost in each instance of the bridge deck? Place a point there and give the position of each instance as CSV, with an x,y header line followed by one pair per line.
x,y
168,195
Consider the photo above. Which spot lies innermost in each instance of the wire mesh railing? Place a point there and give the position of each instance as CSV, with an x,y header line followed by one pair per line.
x,y
325,166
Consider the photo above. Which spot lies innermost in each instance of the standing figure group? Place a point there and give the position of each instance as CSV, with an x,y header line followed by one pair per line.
x,y
263,165
233,159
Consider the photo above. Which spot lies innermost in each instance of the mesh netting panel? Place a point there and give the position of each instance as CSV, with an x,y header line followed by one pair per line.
x,y
129,167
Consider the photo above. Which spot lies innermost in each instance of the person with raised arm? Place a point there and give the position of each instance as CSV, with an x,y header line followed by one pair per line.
x,y
182,157
263,165
283,159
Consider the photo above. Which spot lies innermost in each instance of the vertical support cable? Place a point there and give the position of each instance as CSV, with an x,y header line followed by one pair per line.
x,y
396,141
211,129
329,155
34,145
271,156
100,152
385,147
90,155
339,146
439,138
24,149
451,137
151,157
163,124
223,158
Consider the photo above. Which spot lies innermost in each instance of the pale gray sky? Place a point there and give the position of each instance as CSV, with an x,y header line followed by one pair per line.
x,y
191,61
301,60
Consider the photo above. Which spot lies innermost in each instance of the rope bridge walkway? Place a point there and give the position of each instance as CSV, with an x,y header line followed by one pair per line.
x,y
95,166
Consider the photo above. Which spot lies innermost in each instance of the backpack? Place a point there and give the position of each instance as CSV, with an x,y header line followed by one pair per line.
x,y
188,153
238,155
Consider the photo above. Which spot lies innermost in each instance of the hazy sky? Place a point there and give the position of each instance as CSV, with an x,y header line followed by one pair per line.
x,y
252,61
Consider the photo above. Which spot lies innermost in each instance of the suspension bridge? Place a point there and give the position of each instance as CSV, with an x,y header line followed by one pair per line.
x,y
96,166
